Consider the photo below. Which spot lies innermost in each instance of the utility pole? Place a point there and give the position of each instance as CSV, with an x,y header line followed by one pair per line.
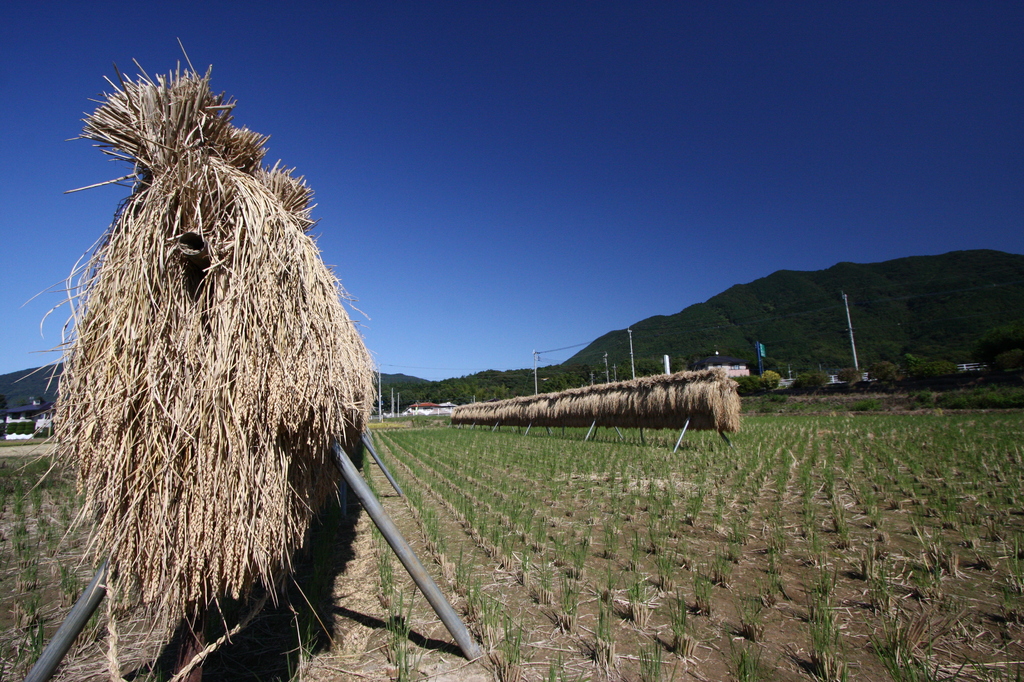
x,y
380,397
631,363
535,389
849,326
392,401
606,367
615,372
591,378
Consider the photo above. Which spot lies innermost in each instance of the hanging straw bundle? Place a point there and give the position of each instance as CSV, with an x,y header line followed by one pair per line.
x,y
708,399
213,362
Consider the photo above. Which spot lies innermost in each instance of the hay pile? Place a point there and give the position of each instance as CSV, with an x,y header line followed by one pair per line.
x,y
212,362
707,398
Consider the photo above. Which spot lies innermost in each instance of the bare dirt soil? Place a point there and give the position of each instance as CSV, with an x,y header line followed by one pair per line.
x,y
33,448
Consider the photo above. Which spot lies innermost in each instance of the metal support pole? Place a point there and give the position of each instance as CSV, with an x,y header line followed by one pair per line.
x,y
376,458
535,389
528,429
549,430
69,630
631,363
685,426
470,649
621,437
725,438
849,326
590,431
343,497
496,425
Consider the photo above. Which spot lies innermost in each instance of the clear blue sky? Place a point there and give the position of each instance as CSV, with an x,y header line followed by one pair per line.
x,y
499,177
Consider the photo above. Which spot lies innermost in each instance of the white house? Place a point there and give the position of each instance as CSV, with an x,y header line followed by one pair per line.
x,y
430,408
39,414
734,367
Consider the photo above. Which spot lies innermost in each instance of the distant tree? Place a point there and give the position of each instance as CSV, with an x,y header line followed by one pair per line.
x,y
999,340
770,380
749,384
554,384
811,380
920,368
884,371
646,367
500,392
693,358
849,375
1011,359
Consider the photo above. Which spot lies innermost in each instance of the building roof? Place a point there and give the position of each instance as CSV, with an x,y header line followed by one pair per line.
x,y
27,409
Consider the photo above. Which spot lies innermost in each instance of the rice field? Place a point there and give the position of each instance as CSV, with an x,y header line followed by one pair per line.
x,y
826,548
41,568
864,547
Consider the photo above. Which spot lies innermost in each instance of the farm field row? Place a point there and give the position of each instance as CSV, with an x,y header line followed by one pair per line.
x,y
815,548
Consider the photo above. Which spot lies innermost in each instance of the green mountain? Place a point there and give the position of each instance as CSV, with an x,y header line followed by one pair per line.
x,y
21,386
932,306
389,379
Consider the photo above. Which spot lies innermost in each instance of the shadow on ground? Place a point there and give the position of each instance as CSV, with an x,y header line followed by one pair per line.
x,y
301,623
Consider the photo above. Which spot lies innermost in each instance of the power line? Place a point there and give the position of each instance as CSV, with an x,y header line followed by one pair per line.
x,y
553,350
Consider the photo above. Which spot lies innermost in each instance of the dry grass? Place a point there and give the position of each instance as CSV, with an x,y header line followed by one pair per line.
x,y
212,361
707,398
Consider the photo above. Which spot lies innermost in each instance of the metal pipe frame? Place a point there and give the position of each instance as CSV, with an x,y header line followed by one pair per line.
x,y
470,649
685,426
69,630
376,458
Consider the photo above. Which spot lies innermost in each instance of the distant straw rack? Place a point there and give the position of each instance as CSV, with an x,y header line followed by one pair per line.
x,y
708,399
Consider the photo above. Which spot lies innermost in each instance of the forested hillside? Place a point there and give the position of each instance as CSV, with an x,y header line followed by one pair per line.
x,y
932,306
21,386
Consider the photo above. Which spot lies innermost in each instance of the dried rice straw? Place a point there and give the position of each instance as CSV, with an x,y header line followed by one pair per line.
x,y
708,399
212,361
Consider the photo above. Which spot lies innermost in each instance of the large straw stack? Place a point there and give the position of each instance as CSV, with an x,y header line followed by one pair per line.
x,y
707,398
213,361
